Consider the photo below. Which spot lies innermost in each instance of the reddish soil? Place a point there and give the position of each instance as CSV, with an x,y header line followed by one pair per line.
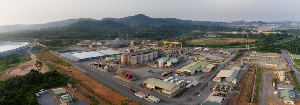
x,y
242,100
196,31
23,69
95,86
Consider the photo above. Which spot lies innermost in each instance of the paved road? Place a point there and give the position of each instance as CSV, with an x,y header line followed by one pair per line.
x,y
117,85
263,89
46,99
209,78
106,80
291,65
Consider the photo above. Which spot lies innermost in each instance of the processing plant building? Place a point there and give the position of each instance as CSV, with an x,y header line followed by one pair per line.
x,y
194,67
90,55
166,87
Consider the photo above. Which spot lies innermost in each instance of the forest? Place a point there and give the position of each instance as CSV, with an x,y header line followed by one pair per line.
x,y
20,90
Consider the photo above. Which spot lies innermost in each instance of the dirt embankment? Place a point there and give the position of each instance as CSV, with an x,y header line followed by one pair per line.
x,y
90,84
23,68
246,89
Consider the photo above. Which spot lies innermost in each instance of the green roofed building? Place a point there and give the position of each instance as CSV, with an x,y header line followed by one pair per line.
x,y
210,103
288,96
59,91
191,68
287,87
167,87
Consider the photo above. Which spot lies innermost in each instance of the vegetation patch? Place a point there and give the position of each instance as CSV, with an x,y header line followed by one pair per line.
x,y
295,80
297,64
21,90
240,53
181,93
10,61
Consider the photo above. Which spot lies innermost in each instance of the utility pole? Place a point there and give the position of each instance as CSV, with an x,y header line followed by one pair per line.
x,y
247,46
127,37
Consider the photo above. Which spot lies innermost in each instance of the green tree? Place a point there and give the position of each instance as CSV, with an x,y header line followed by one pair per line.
x,y
39,65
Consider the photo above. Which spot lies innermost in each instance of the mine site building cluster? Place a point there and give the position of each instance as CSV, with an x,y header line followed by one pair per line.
x,y
195,67
166,87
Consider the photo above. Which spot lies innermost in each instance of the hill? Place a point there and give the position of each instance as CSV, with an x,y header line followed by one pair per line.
x,y
20,27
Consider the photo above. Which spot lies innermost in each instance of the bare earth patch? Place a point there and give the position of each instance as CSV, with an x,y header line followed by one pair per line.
x,y
23,69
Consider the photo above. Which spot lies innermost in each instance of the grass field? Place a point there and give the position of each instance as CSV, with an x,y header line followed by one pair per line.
x,y
297,64
218,40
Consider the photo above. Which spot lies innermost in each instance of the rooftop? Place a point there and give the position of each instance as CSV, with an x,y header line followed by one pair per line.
x,y
59,90
287,95
288,87
265,54
171,59
296,56
193,66
227,73
83,55
210,103
66,97
271,63
162,84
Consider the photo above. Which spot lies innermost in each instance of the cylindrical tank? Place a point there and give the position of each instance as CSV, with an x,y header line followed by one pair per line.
x,y
140,58
155,54
123,59
150,56
161,63
145,57
133,59
282,78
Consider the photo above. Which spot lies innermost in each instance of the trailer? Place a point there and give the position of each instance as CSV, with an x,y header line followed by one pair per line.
x,y
141,95
152,99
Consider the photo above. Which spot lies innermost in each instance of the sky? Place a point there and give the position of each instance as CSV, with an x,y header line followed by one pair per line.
x,y
43,11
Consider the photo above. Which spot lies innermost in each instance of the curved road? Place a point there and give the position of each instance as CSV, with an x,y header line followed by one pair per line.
x,y
291,65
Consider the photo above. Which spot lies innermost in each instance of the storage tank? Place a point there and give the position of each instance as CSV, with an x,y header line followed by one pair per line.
x,y
140,58
155,54
161,63
145,57
282,78
150,56
123,59
133,60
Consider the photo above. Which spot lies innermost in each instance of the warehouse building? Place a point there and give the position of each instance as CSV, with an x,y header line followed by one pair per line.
x,y
271,64
264,55
296,56
166,87
229,75
90,55
288,96
193,67
59,91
